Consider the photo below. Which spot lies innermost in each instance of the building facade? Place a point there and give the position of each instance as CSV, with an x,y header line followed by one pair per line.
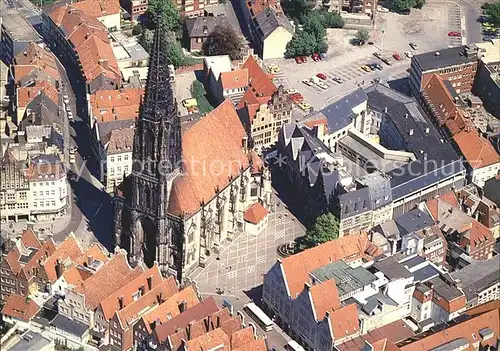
x,y
169,210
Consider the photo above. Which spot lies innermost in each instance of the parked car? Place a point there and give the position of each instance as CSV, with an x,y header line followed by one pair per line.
x,y
292,91
322,85
396,56
366,68
405,12
66,101
454,34
70,116
414,46
338,80
321,76
304,58
378,55
382,9
322,56
187,103
68,108
375,66
315,57
305,106
307,82
298,59
408,54
387,61
297,98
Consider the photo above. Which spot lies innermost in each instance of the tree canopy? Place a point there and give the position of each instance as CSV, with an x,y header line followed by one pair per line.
x,y
493,12
169,15
325,229
401,5
362,36
223,40
175,56
296,9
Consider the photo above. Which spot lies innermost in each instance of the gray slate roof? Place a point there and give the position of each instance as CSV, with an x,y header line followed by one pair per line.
x,y
203,26
392,269
447,57
436,159
477,276
414,220
339,114
268,21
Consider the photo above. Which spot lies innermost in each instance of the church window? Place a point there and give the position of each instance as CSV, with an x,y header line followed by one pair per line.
x,y
254,189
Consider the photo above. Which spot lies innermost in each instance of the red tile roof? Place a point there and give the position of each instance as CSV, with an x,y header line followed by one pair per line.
x,y
236,79
170,308
35,57
259,81
44,171
432,205
90,40
325,298
69,250
211,340
116,273
478,151
214,143
242,337
111,304
480,236
297,267
255,213
96,252
98,8
384,345
256,161
20,307
112,105
128,315
26,94
344,321
468,330
254,345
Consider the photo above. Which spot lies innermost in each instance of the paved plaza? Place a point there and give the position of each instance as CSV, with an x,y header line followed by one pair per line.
x,y
242,263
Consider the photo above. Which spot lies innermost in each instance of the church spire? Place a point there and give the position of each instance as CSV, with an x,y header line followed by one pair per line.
x,y
159,99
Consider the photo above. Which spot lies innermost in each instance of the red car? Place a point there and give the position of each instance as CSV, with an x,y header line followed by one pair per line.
x,y
321,76
304,58
297,98
316,57
454,34
396,56
298,59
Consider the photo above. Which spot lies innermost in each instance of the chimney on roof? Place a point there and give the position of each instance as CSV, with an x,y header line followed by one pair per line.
x,y
188,330
427,130
205,30
411,131
183,306
244,142
150,282
406,115
307,286
437,53
59,268
120,302
218,322
90,260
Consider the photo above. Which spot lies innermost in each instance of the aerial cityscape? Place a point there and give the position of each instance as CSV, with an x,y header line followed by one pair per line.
x,y
259,175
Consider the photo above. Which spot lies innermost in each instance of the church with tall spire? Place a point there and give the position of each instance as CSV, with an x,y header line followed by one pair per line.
x,y
193,180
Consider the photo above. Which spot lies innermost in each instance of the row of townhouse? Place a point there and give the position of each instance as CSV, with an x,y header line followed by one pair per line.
x,y
345,291
262,107
92,298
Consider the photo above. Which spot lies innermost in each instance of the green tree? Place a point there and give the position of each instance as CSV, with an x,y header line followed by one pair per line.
x,y
419,4
302,44
332,20
325,229
313,25
297,9
169,15
493,12
400,5
362,36
137,30
224,40
175,56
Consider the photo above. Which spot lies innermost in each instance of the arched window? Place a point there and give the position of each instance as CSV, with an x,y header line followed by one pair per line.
x,y
254,189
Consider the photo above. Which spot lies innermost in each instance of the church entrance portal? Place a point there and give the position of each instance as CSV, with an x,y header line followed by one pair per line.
x,y
146,231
